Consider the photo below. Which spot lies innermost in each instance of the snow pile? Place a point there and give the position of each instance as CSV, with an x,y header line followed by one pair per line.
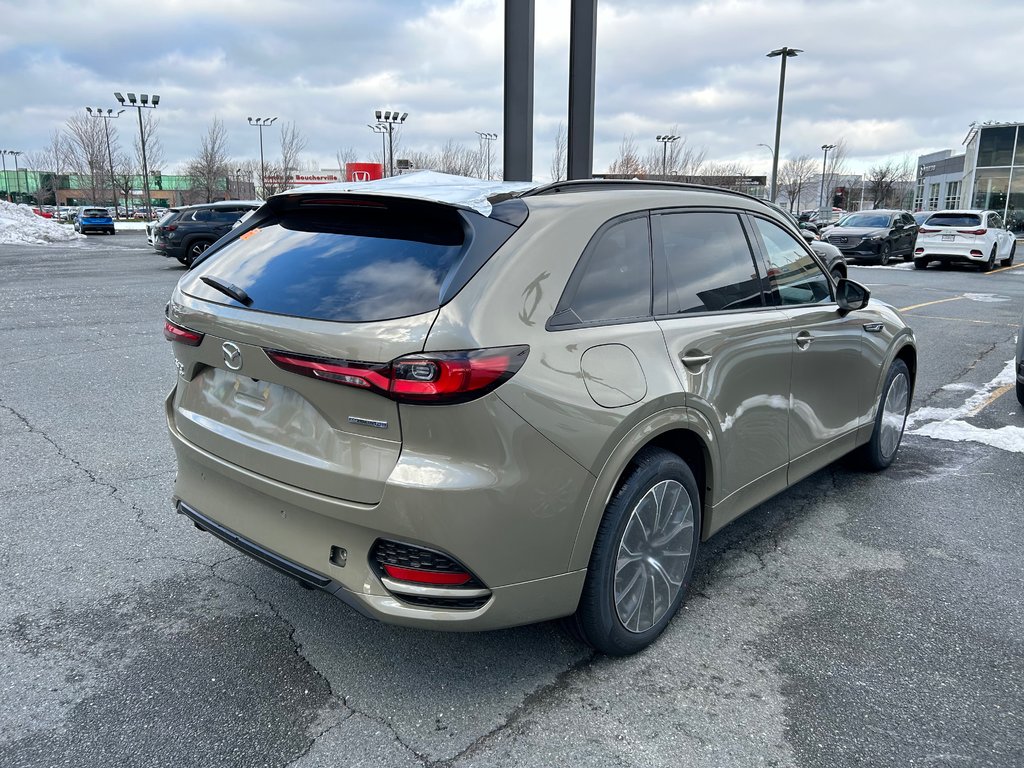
x,y
19,226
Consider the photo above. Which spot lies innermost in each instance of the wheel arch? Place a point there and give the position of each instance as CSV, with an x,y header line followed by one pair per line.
x,y
681,431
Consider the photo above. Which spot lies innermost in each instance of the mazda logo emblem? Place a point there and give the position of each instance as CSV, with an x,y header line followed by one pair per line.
x,y
232,355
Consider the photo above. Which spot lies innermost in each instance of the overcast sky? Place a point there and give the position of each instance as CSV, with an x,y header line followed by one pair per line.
x,y
891,78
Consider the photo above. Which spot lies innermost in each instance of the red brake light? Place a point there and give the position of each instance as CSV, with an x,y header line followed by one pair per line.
x,y
169,227
448,578
436,378
972,231
174,332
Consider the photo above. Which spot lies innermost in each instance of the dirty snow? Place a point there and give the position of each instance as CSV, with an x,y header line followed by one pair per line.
x,y
19,226
950,423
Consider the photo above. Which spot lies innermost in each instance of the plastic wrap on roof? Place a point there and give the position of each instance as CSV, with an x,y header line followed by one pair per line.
x,y
461,191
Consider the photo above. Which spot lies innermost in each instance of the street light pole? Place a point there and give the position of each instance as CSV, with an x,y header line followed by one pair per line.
x,y
378,128
17,179
7,187
487,138
390,120
824,162
143,103
784,53
261,123
772,151
665,141
110,156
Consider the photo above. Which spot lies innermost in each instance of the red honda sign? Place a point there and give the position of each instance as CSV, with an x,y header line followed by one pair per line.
x,y
363,171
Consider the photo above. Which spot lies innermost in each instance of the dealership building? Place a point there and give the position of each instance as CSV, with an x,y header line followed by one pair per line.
x,y
988,174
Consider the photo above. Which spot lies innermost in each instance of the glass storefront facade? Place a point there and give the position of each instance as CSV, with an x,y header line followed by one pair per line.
x,y
997,181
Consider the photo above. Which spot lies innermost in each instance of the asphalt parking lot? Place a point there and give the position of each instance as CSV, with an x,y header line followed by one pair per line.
x,y
853,620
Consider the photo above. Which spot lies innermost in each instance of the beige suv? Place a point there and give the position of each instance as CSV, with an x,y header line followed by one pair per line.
x,y
467,419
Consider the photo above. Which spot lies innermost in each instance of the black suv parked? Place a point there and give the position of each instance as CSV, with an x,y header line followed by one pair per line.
x,y
194,229
874,235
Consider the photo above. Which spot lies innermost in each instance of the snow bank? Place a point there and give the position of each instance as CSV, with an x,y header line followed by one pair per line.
x,y
19,226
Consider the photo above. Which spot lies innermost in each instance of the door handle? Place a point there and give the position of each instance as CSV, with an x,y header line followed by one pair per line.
x,y
694,359
804,339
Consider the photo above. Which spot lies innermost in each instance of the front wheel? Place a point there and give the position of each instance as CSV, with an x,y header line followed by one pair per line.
x,y
643,556
194,251
880,451
920,263
883,255
988,265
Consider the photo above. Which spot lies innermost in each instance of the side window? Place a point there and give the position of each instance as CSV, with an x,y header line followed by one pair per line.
x,y
616,280
708,263
203,214
995,221
796,277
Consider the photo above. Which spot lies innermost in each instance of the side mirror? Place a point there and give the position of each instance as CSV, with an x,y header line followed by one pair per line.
x,y
851,295
808,235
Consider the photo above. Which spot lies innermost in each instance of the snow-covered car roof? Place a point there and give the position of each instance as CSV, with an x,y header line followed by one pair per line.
x,y
460,191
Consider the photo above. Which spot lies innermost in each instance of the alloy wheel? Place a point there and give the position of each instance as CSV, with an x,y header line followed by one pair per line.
x,y
894,415
653,556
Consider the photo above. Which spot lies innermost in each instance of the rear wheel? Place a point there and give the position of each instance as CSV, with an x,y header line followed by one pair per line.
x,y
643,556
1009,259
195,250
988,265
893,407
920,263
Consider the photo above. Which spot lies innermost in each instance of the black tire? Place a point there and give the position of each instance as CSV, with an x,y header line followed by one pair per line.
x,y
1020,394
194,250
1009,259
884,254
920,263
182,259
597,620
880,451
990,264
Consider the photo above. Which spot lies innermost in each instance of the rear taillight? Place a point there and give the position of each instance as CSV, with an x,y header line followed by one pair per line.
x,y
174,332
169,228
972,231
436,378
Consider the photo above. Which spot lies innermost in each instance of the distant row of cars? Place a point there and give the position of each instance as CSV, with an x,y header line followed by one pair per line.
x,y
977,237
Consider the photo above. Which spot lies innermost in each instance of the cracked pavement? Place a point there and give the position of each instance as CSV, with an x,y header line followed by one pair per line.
x,y
853,620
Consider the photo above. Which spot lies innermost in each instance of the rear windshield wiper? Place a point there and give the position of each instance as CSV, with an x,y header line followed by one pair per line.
x,y
228,289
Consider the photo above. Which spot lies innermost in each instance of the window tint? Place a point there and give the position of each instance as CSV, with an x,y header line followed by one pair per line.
x,y
954,220
708,263
343,263
795,275
616,281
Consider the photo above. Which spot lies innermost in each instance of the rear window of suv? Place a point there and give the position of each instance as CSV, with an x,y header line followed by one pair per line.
x,y
352,262
95,213
954,220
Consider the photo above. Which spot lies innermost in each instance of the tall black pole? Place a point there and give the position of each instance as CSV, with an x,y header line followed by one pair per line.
x,y
110,159
145,165
582,65
518,122
778,129
824,163
263,166
391,148
7,186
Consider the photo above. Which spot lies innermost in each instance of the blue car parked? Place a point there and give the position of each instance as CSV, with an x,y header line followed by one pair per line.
x,y
92,219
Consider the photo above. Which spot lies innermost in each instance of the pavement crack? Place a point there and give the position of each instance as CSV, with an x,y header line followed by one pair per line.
x,y
137,511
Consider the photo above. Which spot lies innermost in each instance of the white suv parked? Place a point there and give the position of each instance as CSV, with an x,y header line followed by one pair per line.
x,y
975,237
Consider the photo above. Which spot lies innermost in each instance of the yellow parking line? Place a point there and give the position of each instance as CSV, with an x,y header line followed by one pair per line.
x,y
990,399
929,303
1003,269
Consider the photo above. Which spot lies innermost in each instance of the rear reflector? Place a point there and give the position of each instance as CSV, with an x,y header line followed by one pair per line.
x,y
455,578
435,378
174,332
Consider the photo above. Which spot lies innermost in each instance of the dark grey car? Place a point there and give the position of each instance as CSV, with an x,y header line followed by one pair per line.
x,y
874,236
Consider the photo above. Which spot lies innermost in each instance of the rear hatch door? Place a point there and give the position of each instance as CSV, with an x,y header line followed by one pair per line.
x,y
962,229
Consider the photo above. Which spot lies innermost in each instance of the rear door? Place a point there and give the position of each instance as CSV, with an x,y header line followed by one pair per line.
x,y
732,351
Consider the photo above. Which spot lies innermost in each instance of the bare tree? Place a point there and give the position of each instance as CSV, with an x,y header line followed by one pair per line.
x,y
125,177
795,176
292,144
458,159
888,182
675,158
559,158
154,147
208,171
87,152
53,161
628,161
345,156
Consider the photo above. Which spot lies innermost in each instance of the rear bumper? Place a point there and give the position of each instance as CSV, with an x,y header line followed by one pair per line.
x,y
293,531
952,252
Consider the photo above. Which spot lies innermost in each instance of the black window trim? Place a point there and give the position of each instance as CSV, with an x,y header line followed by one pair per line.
x,y
564,305
661,262
766,264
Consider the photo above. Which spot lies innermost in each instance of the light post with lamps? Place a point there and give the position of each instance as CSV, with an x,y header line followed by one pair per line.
x,y
784,53
389,120
143,103
261,123
488,138
665,141
378,128
772,152
824,163
17,178
110,156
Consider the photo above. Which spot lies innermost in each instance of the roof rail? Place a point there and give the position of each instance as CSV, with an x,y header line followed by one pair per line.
x,y
588,185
